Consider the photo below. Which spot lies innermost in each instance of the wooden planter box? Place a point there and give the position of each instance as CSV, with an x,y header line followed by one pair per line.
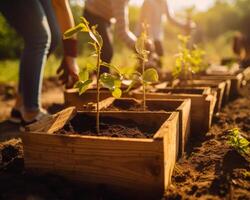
x,y
216,85
202,104
227,89
72,97
132,164
182,106
236,82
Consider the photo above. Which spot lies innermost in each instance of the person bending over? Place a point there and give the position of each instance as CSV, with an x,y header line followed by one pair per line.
x,y
152,13
241,47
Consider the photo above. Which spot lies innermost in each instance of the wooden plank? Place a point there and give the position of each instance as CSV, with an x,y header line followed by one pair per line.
x,y
81,102
105,167
72,97
52,123
169,145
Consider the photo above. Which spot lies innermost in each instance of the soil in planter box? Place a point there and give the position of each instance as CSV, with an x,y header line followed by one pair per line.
x,y
109,126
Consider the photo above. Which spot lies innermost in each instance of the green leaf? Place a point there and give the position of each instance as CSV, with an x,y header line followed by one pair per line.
x,y
150,76
112,83
97,36
108,81
82,86
117,93
110,66
69,33
84,75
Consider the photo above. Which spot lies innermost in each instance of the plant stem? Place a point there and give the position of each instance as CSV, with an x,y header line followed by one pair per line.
x,y
143,87
98,92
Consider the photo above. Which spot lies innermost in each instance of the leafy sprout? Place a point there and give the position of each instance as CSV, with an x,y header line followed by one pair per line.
x,y
148,75
238,142
106,80
188,61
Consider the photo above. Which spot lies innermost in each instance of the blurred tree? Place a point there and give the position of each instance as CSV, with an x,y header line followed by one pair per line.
x,y
10,43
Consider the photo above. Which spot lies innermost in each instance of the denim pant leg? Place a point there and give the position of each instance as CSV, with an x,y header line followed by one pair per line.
x,y
30,21
56,35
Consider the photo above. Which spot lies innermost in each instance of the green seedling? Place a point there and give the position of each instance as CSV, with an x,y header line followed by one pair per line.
x,y
147,76
188,61
238,142
106,80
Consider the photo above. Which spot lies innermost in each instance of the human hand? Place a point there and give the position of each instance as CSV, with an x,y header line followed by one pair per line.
x,y
68,71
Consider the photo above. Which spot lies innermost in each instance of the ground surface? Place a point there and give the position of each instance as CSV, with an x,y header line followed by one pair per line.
x,y
209,170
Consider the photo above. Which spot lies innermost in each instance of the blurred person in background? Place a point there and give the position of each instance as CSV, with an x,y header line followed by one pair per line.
x,y
151,14
41,24
241,47
105,12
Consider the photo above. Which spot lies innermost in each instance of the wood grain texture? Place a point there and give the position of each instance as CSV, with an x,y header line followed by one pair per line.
x,y
72,97
129,163
182,106
51,123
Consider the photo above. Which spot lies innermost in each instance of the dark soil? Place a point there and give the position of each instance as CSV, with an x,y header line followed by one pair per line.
x,y
211,169
109,126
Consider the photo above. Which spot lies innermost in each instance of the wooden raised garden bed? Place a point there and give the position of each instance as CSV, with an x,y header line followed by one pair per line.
x,y
136,164
216,85
182,106
72,97
236,82
202,104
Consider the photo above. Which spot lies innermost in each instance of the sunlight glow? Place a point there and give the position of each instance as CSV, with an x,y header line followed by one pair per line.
x,y
181,4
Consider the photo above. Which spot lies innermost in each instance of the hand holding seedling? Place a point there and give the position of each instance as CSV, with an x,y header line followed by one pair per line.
x,y
112,82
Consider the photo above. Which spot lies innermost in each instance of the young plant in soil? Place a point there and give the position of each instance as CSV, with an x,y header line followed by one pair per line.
x,y
146,76
238,142
106,80
188,61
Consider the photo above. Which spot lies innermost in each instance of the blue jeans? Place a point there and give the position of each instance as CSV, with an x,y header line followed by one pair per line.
x,y
35,21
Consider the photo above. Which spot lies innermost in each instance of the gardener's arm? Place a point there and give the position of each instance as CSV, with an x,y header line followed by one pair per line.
x,y
120,9
171,17
69,67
